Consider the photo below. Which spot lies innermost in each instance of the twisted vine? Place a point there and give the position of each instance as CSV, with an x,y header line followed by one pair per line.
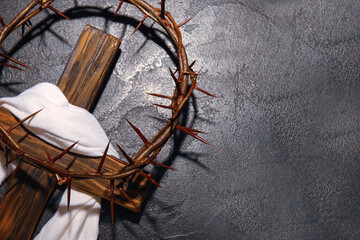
x,y
185,84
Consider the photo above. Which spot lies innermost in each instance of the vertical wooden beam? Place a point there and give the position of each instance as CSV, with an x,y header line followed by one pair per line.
x,y
88,67
82,81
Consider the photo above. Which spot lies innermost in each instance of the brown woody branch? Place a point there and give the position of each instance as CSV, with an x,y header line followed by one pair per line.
x,y
150,150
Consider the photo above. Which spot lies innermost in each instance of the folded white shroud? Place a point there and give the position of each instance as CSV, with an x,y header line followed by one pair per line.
x,y
61,124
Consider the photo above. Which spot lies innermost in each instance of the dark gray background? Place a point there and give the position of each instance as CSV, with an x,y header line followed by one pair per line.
x,y
285,128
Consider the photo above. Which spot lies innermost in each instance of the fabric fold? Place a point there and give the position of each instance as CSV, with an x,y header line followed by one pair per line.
x,y
61,124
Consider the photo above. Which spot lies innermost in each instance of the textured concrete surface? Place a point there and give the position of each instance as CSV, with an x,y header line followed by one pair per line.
x,y
285,128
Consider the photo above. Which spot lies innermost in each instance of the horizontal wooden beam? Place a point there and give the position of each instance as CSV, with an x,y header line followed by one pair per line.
x,y
82,82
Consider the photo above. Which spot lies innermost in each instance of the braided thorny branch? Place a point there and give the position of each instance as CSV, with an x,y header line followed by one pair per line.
x,y
185,83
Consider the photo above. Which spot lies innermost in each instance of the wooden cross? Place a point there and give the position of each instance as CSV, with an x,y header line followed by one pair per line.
x,y
81,82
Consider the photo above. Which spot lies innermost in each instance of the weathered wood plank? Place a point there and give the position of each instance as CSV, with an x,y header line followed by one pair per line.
x,y
76,162
81,81
88,67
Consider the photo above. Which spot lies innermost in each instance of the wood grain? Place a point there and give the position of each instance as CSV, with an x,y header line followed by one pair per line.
x,y
82,81
86,72
100,187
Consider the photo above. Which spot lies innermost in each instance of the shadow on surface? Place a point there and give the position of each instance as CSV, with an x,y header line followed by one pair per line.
x,y
158,37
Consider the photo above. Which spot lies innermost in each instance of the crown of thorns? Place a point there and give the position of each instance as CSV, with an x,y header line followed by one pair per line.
x,y
185,83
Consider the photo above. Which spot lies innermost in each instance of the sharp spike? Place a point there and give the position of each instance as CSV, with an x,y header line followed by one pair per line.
x,y
128,158
69,178
164,106
162,12
192,64
13,159
173,76
163,165
119,160
176,81
184,22
56,11
187,131
142,173
12,175
118,8
128,198
192,73
23,120
15,61
159,95
152,157
48,155
194,130
112,200
203,91
103,158
138,26
12,66
63,152
147,144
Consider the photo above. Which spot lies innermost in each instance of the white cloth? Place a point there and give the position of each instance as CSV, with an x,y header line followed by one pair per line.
x,y
62,124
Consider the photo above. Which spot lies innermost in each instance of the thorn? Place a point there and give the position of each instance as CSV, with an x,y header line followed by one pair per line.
x,y
13,175
152,157
23,120
129,159
47,5
2,22
176,81
63,153
120,161
194,130
112,200
162,13
15,61
103,158
192,73
142,173
12,66
151,160
147,144
188,131
69,178
159,95
138,26
48,155
13,159
163,165
203,91
118,8
192,64
173,76
184,22
163,106
128,198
